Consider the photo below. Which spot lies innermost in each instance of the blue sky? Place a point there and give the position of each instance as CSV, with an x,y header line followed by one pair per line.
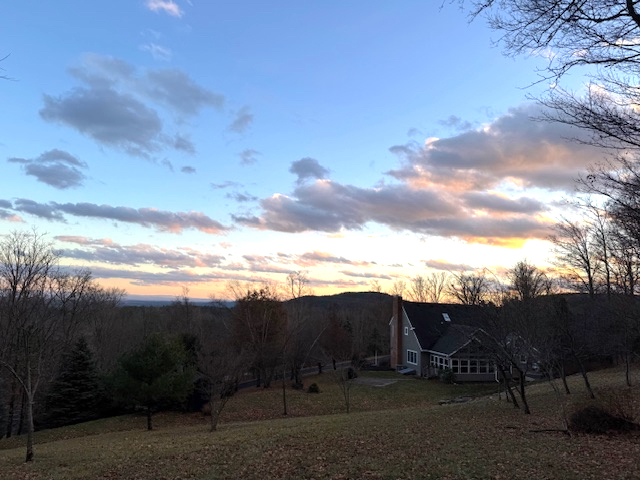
x,y
171,143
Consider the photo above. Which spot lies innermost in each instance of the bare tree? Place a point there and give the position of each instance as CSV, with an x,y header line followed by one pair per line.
x,y
418,289
576,252
603,35
40,310
398,287
469,288
297,284
437,286
527,281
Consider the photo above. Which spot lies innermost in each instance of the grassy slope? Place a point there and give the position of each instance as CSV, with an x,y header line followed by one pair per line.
x,y
484,438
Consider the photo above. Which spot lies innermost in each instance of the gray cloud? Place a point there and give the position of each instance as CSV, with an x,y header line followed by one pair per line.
x,y
307,168
110,105
188,169
174,222
107,251
110,118
241,197
56,168
176,90
242,121
41,210
513,148
248,156
5,204
449,187
183,143
447,266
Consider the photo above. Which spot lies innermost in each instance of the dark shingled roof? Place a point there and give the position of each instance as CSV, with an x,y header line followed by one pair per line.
x,y
430,325
456,337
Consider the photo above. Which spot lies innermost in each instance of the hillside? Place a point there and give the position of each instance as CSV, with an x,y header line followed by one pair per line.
x,y
398,431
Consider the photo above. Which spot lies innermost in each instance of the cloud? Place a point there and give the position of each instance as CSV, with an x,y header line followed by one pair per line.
x,y
307,168
113,119
242,121
188,169
40,210
481,186
158,52
248,156
107,251
315,257
178,91
184,143
513,149
165,6
56,168
241,197
110,106
164,221
223,185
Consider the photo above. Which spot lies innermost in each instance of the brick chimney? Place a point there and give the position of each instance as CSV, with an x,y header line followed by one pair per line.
x,y
396,333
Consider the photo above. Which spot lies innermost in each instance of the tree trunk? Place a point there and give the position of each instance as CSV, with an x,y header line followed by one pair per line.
x,y
149,424
30,430
284,392
627,369
585,377
522,392
563,374
11,412
22,413
507,387
215,414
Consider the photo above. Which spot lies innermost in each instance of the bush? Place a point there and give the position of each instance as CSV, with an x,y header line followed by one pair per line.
x,y
447,376
595,419
351,373
313,388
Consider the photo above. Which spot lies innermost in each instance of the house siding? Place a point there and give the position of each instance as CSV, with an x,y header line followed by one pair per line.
x,y
410,342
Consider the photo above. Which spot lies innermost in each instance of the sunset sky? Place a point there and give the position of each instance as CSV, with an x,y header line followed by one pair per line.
x,y
171,143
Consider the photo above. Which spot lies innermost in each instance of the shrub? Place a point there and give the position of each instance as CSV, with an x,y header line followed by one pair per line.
x,y
313,388
446,375
351,373
597,420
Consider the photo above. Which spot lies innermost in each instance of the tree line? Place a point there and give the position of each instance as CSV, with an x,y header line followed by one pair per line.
x,y
70,351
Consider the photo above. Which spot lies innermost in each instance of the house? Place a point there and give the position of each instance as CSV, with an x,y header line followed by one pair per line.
x,y
431,337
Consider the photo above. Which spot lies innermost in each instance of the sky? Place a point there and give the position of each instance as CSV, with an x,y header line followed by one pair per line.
x,y
187,143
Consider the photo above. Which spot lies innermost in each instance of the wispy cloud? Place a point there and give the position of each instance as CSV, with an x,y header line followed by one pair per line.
x,y
242,120
248,156
164,221
158,52
165,6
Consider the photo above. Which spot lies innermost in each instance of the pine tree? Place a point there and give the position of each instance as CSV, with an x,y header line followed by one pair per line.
x,y
155,373
75,395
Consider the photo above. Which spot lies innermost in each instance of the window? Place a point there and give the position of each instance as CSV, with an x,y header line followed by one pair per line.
x,y
406,330
412,357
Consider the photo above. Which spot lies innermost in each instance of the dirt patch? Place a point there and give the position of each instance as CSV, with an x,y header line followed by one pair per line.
x,y
374,381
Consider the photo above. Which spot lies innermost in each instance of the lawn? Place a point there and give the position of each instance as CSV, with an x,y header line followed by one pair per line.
x,y
397,431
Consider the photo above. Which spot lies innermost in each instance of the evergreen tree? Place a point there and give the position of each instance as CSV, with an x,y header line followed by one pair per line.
x,y
155,373
75,395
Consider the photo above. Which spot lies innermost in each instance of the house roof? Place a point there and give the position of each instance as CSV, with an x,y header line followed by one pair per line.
x,y
456,337
430,325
